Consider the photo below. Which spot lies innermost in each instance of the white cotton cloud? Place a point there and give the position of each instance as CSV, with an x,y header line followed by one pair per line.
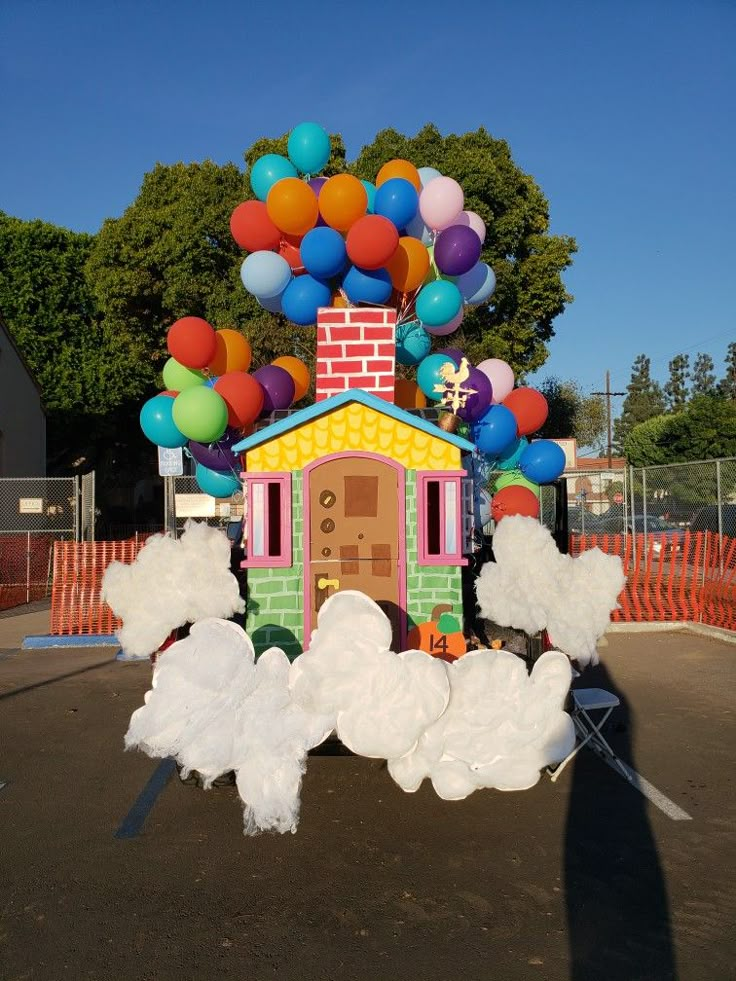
x,y
172,582
531,586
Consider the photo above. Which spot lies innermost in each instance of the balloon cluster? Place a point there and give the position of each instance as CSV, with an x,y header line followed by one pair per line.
x,y
403,241
211,401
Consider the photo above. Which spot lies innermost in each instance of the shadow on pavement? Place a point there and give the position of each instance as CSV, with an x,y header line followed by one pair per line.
x,y
51,681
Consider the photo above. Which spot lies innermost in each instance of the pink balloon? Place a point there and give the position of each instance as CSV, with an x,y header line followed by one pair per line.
x,y
449,328
500,376
474,221
440,202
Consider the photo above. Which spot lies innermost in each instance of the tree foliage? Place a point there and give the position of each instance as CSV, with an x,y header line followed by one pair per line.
x,y
704,430
676,390
704,380
573,415
643,401
727,385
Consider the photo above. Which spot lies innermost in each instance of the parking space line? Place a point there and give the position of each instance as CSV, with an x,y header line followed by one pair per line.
x,y
136,816
657,798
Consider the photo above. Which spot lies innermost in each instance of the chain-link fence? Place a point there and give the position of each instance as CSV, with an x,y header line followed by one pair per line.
x,y
183,500
695,496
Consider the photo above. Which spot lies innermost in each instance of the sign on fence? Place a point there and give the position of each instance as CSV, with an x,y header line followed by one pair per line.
x,y
170,461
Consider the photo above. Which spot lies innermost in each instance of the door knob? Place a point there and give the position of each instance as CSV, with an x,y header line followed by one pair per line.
x,y
323,583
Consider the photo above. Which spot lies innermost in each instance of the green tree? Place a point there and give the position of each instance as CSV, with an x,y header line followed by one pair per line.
x,y
675,389
646,444
643,401
727,385
573,414
704,380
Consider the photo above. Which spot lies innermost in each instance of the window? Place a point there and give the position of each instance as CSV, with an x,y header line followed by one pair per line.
x,y
442,523
268,520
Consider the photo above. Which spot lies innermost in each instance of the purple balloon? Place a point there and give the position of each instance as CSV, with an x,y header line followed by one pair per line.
x,y
478,403
454,353
456,250
317,183
218,455
278,387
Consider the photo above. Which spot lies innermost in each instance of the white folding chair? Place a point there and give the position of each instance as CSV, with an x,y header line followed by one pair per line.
x,y
586,700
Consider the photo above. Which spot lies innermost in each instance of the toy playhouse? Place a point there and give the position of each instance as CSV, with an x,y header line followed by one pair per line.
x,y
353,492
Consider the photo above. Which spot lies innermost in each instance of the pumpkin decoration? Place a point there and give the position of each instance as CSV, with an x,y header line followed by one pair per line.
x,y
442,638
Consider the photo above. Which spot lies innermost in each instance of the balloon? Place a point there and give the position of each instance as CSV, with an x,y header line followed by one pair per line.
x,y
367,286
201,414
417,229
303,297
542,461
177,377
370,190
397,200
477,403
472,220
409,264
323,253
408,395
271,303
495,430
338,300
412,343
372,241
427,174
308,147
438,302
442,330
453,354
440,202
218,455
292,206
399,168
514,500
299,374
289,249
342,200
278,387
191,341
530,408
265,274
252,229
500,375
232,352
157,422
216,484
456,250
210,382
267,170
510,457
170,392
317,183
429,377
515,478
478,285
243,397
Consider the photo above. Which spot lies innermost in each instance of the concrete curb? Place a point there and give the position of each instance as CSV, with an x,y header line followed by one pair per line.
x,y
681,626
45,641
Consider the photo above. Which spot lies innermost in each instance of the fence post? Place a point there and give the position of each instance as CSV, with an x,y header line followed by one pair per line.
x,y
28,567
644,499
633,516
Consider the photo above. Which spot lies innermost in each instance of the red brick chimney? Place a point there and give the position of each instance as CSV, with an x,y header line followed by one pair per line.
x,y
356,348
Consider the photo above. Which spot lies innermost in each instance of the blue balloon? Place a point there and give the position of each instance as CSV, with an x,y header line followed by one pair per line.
x,y
267,170
477,285
397,200
542,461
495,430
308,148
323,252
427,174
367,286
370,190
265,274
417,229
413,343
215,482
303,297
438,302
157,422
428,376
271,303
210,382
509,459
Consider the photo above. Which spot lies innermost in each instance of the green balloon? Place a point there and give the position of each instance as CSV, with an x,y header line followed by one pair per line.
x,y
511,478
177,378
200,413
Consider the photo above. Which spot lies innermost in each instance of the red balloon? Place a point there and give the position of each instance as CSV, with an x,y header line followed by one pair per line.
x,y
289,250
169,391
372,241
514,500
252,229
530,408
243,397
191,341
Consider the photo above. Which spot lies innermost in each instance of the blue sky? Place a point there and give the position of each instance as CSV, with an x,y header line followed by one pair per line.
x,y
622,111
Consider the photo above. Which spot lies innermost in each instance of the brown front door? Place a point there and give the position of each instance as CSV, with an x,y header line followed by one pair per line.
x,y
356,535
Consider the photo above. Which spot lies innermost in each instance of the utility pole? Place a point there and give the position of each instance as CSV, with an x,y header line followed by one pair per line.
x,y
608,393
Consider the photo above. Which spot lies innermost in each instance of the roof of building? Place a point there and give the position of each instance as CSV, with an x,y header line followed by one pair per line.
x,y
297,419
600,463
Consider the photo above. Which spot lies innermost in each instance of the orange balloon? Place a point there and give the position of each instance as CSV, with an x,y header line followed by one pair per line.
x,y
342,200
399,168
408,395
409,265
292,206
298,371
232,352
338,300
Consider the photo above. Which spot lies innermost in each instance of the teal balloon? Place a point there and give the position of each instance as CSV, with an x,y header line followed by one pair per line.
x,y
428,376
413,343
157,422
200,413
308,148
267,170
215,483
438,303
370,190
509,459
